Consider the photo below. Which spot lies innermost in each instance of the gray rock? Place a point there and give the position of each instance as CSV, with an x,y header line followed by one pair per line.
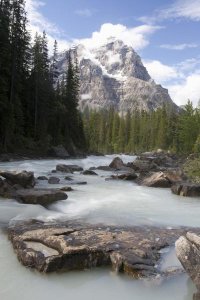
x,y
186,189
74,246
24,178
158,179
117,163
105,168
89,172
40,196
68,168
113,75
68,178
66,189
44,178
53,180
188,252
128,177
63,168
75,168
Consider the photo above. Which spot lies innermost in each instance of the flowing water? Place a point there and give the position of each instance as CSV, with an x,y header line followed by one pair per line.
x,y
100,201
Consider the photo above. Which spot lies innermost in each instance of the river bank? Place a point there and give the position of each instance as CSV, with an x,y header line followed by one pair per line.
x,y
112,203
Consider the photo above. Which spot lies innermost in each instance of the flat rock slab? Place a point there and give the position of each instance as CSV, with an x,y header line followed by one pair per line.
x,y
40,196
73,246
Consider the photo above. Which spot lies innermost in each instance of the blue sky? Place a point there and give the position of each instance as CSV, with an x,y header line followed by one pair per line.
x,y
166,35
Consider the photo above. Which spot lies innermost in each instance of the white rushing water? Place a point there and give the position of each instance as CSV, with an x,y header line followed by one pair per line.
x,y
100,201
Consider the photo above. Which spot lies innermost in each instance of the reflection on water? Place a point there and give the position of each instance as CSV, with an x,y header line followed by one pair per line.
x,y
111,202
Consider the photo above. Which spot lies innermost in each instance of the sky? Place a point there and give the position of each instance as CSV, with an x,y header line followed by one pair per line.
x,y
166,34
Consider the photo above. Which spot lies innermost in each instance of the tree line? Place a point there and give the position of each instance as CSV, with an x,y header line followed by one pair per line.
x,y
36,109
139,131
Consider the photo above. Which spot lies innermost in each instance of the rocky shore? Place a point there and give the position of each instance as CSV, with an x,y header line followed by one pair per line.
x,y
65,246
76,246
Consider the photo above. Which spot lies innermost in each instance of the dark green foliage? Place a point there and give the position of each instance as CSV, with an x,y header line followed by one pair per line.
x,y
108,132
36,110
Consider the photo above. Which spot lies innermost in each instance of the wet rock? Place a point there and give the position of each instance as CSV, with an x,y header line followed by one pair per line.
x,y
128,176
66,189
74,246
92,168
59,151
75,168
105,168
44,178
186,189
68,168
89,172
24,178
79,182
196,296
68,178
53,180
39,196
117,163
53,171
188,252
63,168
158,179
155,161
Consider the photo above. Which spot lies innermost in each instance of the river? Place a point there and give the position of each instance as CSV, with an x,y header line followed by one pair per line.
x,y
100,201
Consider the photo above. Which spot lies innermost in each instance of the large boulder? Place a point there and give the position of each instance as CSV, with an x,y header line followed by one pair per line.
x,y
186,189
154,162
24,179
39,196
117,163
188,252
157,179
68,168
74,246
59,151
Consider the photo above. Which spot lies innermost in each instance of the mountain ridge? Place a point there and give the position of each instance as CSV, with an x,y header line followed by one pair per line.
x,y
113,75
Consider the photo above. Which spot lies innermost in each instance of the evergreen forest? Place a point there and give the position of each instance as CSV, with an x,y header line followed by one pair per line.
x,y
38,111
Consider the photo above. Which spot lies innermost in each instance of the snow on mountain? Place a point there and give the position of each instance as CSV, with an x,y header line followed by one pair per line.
x,y
113,75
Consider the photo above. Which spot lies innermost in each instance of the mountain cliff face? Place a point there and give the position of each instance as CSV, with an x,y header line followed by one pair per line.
x,y
114,76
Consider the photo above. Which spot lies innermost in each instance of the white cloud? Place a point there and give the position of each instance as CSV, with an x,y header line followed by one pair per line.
x,y
182,80
137,37
38,23
188,89
84,12
178,47
187,9
160,72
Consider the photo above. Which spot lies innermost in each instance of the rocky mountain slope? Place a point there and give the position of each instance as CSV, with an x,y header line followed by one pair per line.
x,y
114,76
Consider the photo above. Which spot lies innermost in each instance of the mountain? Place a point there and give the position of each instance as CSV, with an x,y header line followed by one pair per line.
x,y
113,75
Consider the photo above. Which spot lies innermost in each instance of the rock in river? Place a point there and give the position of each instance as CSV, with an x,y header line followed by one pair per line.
x,y
53,180
188,252
89,172
186,189
68,168
24,178
158,179
39,196
73,246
